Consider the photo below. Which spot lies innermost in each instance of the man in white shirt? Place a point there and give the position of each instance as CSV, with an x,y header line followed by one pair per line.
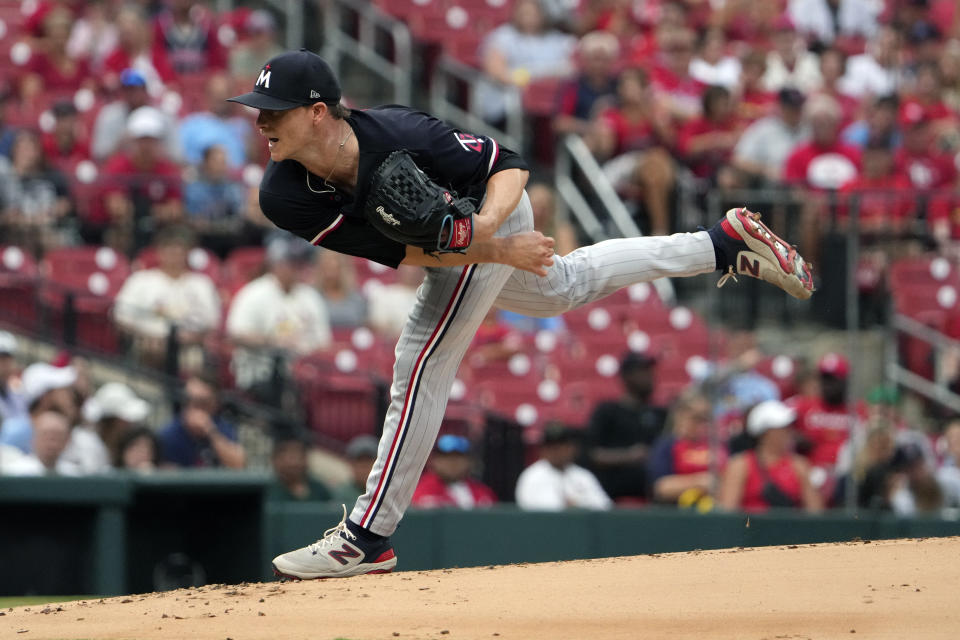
x,y
107,417
763,148
51,433
390,305
876,72
789,64
554,482
276,314
151,301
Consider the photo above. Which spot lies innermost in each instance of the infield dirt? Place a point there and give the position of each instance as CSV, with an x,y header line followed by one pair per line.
x,y
904,590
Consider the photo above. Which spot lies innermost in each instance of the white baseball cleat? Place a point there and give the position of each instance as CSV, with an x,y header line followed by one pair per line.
x,y
750,248
338,554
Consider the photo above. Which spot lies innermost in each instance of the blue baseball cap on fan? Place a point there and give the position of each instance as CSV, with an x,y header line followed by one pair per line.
x,y
292,79
132,78
453,444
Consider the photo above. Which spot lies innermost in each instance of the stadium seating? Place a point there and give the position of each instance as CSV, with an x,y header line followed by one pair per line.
x,y
18,272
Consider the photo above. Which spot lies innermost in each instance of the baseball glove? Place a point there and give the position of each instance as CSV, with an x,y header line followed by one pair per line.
x,y
405,205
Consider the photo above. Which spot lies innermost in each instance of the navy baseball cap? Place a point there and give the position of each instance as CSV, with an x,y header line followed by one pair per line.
x,y
292,79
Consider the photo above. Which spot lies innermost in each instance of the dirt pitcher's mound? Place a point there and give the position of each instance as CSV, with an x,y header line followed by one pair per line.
x,y
895,589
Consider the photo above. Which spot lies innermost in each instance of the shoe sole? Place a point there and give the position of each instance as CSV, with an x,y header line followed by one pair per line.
x,y
783,272
290,576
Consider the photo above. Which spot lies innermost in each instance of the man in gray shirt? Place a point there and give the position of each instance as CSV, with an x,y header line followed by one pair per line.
x,y
111,122
763,148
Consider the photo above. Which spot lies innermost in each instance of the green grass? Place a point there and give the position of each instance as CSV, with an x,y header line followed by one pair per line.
x,y
25,601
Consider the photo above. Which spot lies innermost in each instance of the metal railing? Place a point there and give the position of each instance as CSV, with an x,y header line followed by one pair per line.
x,y
936,389
353,30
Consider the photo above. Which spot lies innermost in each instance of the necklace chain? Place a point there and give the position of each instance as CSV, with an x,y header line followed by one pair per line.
x,y
328,188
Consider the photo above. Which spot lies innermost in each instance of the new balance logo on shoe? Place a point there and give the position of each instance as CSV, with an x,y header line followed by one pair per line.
x,y
746,264
342,554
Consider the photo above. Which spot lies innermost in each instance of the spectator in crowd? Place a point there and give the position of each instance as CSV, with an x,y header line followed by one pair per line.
x,y
336,280
361,453
141,188
49,437
770,474
45,388
823,420
670,77
928,94
515,53
51,68
67,144
912,485
94,33
199,436
291,479
840,23
823,163
12,402
884,200
276,317
919,160
391,305
950,73
135,51
833,64
109,128
34,198
754,100
185,36
761,152
218,125
215,202
948,475
595,85
447,482
682,465
878,122
152,301
108,416
630,139
877,71
259,44
924,39
494,341
713,64
138,451
706,142
620,432
554,482
789,63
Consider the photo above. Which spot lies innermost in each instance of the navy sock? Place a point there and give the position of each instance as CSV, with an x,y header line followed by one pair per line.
x,y
364,535
717,235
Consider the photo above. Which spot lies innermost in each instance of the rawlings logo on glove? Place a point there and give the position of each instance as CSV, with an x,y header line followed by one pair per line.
x,y
405,205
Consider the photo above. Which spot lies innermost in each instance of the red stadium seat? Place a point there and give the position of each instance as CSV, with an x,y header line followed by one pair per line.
x,y
339,407
18,284
241,266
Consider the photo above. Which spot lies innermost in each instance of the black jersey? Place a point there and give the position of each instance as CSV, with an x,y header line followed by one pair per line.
x,y
333,219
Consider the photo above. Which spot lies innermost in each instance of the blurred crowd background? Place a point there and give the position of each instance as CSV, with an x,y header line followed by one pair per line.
x,y
152,319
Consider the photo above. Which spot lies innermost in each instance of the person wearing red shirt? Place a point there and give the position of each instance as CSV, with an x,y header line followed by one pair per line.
x,y
67,144
884,199
755,101
823,421
770,474
671,77
681,465
134,51
918,160
185,35
50,69
447,481
706,143
823,163
141,188
630,139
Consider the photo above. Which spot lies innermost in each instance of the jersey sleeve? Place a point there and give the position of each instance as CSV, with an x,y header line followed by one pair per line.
x,y
337,232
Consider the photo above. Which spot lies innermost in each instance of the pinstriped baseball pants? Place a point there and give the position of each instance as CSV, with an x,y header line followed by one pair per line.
x,y
452,303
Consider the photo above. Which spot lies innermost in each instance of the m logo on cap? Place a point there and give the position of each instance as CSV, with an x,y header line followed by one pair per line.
x,y
263,80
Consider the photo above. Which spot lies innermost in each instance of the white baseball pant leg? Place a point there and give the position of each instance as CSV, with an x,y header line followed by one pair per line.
x,y
452,303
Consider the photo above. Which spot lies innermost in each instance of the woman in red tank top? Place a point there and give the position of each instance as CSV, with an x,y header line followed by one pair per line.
x,y
770,474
